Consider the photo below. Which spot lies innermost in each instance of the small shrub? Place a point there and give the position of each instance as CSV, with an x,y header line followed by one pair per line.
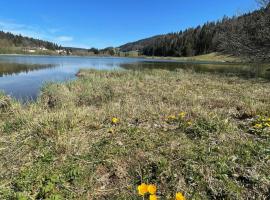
x,y
56,96
5,103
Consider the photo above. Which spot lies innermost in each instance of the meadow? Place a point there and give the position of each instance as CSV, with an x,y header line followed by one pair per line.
x,y
202,135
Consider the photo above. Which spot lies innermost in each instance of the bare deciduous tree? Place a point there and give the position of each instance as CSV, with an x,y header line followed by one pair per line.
x,y
247,36
263,3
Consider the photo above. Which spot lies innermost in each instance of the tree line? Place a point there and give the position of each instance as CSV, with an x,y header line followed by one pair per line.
x,y
11,40
247,35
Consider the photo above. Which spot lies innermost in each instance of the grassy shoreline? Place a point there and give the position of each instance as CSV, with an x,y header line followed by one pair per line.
x,y
183,131
211,57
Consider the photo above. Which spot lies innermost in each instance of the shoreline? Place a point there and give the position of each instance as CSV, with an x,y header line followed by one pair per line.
x,y
207,58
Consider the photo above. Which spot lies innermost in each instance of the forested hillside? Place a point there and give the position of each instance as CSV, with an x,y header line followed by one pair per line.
x,y
247,35
8,40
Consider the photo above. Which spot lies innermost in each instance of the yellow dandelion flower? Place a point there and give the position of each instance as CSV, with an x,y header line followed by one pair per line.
x,y
268,119
153,197
142,189
115,120
179,196
152,189
182,115
258,126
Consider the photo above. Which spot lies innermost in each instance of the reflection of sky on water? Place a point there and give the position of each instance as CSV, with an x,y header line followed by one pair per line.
x,y
21,78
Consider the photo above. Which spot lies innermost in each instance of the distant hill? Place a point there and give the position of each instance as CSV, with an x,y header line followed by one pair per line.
x,y
247,35
11,43
140,44
9,40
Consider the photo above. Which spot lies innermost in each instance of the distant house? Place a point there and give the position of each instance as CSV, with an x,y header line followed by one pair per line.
x,y
32,51
42,48
61,51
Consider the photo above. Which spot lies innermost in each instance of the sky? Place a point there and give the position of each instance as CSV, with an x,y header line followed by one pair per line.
x,y
103,23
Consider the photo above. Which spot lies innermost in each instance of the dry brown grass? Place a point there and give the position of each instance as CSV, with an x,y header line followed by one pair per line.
x,y
64,146
211,57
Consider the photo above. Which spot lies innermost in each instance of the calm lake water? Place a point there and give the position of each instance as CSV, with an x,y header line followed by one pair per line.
x,y
23,76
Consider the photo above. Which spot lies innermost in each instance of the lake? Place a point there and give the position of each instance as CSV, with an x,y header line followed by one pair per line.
x,y
23,76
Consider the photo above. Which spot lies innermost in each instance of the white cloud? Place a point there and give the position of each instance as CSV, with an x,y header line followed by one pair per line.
x,y
64,39
54,30
49,34
22,29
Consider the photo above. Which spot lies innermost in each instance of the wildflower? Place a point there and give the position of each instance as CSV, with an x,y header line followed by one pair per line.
x,y
153,197
115,120
258,126
152,189
182,115
179,196
268,119
142,189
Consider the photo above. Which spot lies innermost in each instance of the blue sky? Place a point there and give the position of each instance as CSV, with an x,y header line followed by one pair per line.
x,y
102,23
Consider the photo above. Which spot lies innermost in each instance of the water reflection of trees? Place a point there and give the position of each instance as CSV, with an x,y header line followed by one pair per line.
x,y
233,69
15,68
